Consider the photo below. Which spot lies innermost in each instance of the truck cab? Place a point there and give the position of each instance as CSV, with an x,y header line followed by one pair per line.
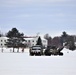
x,y
36,50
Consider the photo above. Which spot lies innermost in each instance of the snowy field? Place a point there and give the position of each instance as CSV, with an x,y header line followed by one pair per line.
x,y
23,64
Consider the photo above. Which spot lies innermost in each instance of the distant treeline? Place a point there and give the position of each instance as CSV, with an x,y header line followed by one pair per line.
x,y
59,41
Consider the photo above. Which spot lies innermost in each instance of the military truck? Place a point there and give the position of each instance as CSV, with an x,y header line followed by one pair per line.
x,y
52,50
36,50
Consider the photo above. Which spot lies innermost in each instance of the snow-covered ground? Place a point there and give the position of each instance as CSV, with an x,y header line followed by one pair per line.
x,y
23,64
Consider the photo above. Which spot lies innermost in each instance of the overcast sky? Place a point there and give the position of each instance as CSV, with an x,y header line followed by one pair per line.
x,y
33,16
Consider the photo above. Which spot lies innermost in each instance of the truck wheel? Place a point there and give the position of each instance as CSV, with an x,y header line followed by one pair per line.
x,y
49,54
38,54
46,53
61,54
31,54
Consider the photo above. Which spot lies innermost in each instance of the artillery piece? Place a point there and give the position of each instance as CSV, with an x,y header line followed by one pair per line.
x,y
53,51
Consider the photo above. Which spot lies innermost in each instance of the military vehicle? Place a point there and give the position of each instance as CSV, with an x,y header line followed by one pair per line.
x,y
52,50
36,50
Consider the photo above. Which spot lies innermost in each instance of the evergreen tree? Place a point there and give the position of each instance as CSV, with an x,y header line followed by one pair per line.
x,y
39,41
64,34
15,39
14,33
64,37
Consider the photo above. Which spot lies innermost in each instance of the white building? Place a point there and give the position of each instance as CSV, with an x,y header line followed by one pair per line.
x,y
3,41
33,41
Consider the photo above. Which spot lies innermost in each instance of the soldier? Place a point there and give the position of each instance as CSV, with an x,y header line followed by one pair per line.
x,y
22,50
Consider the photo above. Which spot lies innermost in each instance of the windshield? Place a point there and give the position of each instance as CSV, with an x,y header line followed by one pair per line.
x,y
35,48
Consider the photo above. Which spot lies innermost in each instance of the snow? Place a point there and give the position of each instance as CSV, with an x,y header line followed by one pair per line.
x,y
23,64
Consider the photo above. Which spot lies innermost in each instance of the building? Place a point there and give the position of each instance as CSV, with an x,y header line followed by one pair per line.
x,y
32,41
3,41
29,41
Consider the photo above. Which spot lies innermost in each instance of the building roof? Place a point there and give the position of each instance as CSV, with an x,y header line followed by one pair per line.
x,y
28,38
4,37
35,38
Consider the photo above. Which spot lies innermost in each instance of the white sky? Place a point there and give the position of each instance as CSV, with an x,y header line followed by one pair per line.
x,y
33,16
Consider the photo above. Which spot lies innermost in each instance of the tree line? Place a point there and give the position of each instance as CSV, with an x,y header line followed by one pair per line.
x,y
60,40
16,40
